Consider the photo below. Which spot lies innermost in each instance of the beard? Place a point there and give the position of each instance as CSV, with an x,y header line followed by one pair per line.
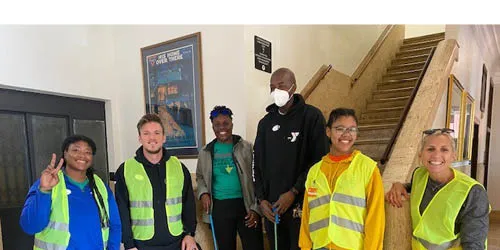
x,y
153,152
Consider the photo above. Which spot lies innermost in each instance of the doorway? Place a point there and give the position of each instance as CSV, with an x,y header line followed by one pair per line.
x,y
32,127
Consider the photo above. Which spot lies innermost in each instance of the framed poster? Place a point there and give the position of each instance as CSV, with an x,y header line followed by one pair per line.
x,y
173,89
454,112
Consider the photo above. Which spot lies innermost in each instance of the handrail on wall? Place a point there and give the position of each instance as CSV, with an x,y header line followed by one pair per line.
x,y
389,147
313,83
371,54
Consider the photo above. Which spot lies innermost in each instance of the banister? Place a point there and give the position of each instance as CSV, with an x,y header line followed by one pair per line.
x,y
313,83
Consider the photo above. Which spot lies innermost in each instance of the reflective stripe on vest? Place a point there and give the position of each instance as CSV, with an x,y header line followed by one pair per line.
x,y
435,227
56,235
141,198
423,244
344,212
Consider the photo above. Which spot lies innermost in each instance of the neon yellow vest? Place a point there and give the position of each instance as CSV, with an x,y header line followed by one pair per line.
x,y
435,227
339,216
56,235
141,198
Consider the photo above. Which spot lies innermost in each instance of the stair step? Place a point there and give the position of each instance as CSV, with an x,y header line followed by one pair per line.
x,y
375,132
415,79
413,52
377,126
375,104
395,85
373,141
374,150
422,44
406,67
410,59
391,99
403,74
374,121
424,38
394,112
390,93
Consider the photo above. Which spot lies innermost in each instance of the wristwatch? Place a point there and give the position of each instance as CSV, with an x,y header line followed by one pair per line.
x,y
190,233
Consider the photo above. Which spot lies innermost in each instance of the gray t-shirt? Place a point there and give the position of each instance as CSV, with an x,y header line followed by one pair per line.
x,y
473,218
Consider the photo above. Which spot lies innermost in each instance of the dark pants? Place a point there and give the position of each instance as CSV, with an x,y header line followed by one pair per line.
x,y
175,246
288,231
229,219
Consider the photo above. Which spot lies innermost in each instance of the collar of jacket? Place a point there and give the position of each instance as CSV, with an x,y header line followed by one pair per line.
x,y
139,156
298,101
211,145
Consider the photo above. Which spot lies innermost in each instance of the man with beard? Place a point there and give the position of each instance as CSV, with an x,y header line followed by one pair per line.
x,y
155,195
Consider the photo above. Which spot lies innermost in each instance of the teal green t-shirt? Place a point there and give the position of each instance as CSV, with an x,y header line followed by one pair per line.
x,y
225,179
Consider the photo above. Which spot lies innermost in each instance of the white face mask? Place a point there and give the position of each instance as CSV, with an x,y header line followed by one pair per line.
x,y
281,97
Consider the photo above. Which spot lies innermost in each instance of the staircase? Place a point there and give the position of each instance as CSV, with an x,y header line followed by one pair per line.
x,y
380,118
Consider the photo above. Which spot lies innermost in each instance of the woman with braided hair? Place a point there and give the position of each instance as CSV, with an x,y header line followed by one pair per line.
x,y
70,207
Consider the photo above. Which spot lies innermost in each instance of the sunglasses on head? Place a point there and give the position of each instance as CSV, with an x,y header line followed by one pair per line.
x,y
434,130
215,113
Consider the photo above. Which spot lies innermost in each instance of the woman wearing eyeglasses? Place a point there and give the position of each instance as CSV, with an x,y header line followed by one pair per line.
x,y
449,210
344,204
225,187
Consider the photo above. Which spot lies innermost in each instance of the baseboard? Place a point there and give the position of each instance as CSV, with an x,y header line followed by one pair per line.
x,y
495,216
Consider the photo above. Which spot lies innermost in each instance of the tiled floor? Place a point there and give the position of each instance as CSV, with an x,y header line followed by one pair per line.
x,y
494,236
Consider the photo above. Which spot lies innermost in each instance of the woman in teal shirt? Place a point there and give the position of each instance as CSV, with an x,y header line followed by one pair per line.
x,y
225,187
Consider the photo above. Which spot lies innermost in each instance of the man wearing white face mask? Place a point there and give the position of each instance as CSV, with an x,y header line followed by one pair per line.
x,y
290,139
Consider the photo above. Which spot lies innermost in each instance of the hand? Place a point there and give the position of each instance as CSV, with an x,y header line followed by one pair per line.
x,y
284,202
188,243
266,209
252,219
205,201
49,177
394,196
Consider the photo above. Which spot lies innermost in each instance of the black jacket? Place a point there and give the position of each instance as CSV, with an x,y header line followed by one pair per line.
x,y
286,147
157,175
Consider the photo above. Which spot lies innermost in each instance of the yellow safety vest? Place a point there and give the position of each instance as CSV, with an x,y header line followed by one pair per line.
x,y
56,235
339,216
435,227
141,198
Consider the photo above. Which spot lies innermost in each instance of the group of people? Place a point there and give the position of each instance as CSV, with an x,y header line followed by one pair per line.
x,y
313,189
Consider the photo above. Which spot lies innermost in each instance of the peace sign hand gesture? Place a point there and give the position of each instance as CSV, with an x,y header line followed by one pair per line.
x,y
49,176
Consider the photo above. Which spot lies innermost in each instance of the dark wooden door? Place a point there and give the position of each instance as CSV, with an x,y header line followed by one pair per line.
x,y
32,127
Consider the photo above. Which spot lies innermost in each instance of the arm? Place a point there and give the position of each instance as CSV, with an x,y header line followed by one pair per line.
x,y
375,216
258,158
473,219
202,187
122,200
317,147
36,211
304,237
188,203
115,226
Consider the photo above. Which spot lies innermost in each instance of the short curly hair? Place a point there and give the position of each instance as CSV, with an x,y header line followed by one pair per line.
x,y
220,110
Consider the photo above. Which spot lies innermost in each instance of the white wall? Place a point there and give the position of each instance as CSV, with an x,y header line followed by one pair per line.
x,y
65,60
303,49
412,30
223,75
104,63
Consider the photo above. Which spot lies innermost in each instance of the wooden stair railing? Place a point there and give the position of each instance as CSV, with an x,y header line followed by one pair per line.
x,y
315,80
389,147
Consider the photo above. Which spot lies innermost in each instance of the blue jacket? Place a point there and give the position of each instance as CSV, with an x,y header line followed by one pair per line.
x,y
84,224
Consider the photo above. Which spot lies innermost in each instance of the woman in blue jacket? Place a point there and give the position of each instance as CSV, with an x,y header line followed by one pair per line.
x,y
70,207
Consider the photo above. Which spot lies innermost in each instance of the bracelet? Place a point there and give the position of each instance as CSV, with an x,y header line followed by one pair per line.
x,y
294,191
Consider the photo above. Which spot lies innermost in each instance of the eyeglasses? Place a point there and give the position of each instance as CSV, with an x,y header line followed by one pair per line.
x,y
434,130
341,130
